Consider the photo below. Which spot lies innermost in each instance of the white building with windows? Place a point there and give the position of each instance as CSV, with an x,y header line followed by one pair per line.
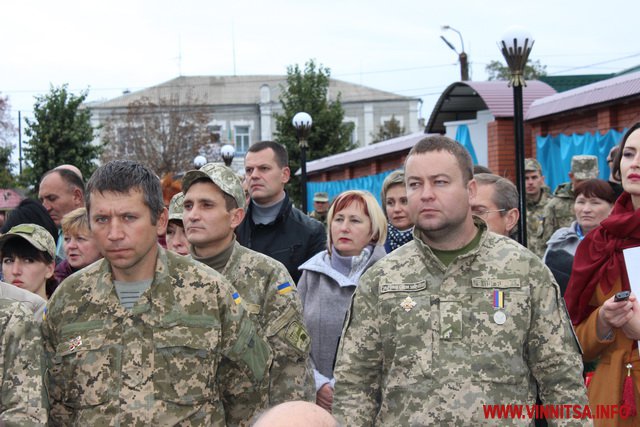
x,y
243,107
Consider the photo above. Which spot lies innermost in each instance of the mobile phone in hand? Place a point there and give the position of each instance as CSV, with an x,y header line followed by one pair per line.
x,y
622,296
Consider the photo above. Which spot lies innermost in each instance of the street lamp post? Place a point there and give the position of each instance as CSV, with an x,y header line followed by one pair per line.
x,y
515,46
227,152
302,122
462,56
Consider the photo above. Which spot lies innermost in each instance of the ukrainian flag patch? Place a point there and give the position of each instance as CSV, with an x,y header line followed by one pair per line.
x,y
236,298
284,288
44,313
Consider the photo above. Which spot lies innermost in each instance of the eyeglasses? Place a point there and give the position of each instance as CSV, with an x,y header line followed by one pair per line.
x,y
483,214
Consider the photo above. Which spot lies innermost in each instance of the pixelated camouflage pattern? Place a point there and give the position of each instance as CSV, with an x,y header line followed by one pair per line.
x,y
584,167
22,397
156,364
535,222
33,302
421,346
220,175
176,207
532,165
319,217
35,234
558,212
279,315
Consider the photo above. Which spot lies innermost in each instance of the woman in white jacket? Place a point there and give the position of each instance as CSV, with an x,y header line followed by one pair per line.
x,y
357,230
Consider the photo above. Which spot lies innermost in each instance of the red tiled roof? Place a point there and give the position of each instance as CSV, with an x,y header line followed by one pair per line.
x,y
624,86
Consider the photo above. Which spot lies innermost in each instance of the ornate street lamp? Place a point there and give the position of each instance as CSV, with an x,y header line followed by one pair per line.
x,y
515,46
227,152
462,56
302,122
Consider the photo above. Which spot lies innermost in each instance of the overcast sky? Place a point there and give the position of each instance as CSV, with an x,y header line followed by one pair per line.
x,y
109,46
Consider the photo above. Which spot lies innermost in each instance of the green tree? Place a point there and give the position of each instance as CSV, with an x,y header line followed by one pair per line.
x,y
61,132
532,71
7,179
306,90
390,129
7,131
165,135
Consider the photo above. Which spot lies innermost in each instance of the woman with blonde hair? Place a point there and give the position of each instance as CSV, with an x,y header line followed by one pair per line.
x,y
356,233
79,246
395,202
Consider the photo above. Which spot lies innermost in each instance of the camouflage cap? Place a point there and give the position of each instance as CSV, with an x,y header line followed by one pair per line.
x,y
221,176
584,167
176,207
35,234
532,165
321,196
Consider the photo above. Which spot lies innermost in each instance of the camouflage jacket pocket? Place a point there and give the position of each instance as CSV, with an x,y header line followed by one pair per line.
x,y
84,371
407,332
185,363
499,324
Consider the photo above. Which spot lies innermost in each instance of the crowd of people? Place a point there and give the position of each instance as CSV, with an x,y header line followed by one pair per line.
x,y
221,303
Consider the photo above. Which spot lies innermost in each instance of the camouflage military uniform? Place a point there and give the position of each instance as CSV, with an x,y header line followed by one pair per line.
x,y
535,222
156,364
319,217
22,397
559,211
270,296
424,345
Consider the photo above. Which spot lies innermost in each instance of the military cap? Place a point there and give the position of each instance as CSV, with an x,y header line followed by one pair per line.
x,y
176,207
584,167
221,176
36,235
532,165
321,196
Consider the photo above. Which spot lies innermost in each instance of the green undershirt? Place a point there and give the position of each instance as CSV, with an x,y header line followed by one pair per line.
x,y
447,257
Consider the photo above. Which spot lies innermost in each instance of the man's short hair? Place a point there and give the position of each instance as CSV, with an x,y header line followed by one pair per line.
x,y
124,176
68,176
279,151
442,143
505,194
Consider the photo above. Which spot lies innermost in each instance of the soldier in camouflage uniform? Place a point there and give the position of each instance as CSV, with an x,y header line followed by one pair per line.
x,y
22,399
320,207
213,207
176,239
137,339
456,319
538,195
559,211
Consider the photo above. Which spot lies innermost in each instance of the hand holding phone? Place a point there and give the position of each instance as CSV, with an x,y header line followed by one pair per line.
x,y
622,296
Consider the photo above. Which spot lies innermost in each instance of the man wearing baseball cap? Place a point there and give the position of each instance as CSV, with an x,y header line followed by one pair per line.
x,y
214,204
538,195
320,207
559,211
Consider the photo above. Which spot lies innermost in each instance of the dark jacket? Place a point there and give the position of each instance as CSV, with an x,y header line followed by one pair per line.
x,y
291,239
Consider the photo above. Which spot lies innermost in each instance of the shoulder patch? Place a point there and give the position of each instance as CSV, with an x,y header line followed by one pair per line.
x,y
297,336
284,288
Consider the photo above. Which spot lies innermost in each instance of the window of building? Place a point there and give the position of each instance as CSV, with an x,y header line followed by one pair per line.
x,y
214,133
242,139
